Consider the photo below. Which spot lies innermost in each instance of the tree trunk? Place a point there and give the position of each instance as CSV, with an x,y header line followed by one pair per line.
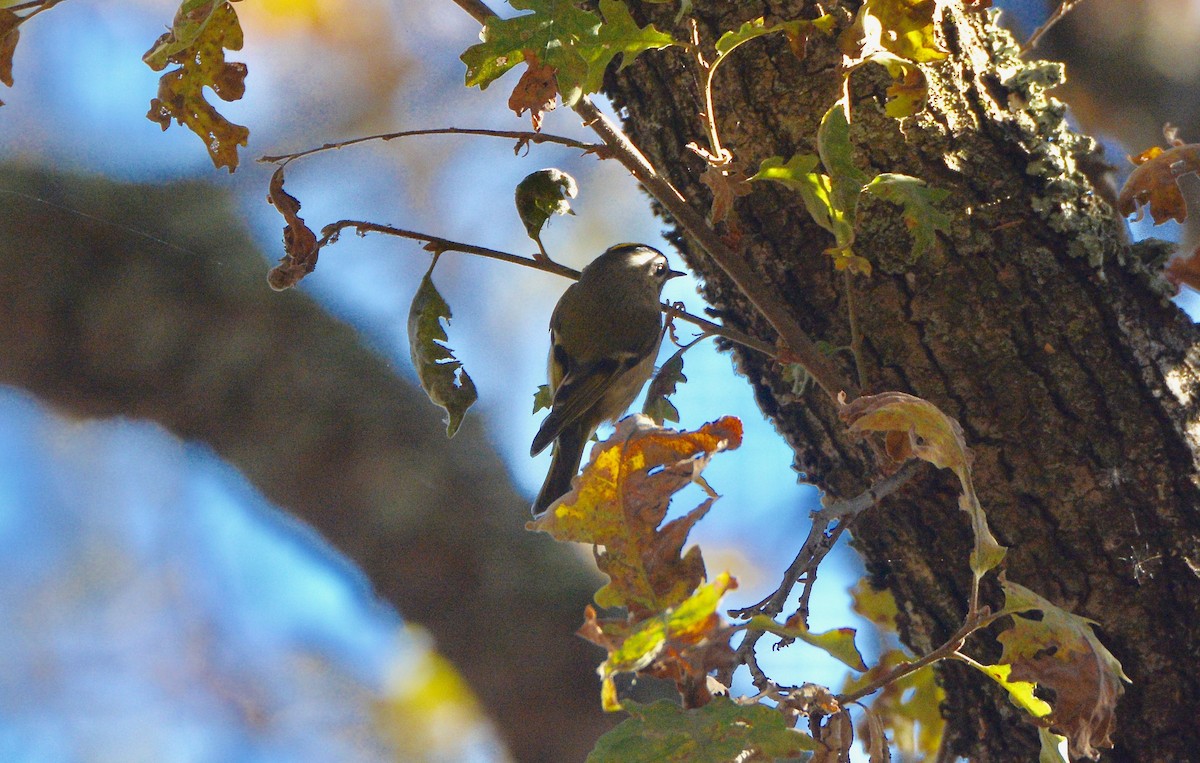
x,y
1034,325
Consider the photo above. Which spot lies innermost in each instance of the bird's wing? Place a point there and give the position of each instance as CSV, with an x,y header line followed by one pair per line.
x,y
580,389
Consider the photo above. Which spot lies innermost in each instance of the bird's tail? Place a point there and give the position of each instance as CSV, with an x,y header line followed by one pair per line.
x,y
564,464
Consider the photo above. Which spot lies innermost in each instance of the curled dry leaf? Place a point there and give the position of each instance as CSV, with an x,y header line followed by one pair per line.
x,y
299,242
1154,183
917,428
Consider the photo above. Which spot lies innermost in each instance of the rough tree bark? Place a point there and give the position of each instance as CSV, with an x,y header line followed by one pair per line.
x,y
1035,326
101,321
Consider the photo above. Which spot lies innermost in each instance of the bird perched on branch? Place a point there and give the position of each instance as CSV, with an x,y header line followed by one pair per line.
x,y
604,337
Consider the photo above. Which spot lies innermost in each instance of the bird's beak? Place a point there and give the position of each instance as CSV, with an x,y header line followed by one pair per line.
x,y
674,274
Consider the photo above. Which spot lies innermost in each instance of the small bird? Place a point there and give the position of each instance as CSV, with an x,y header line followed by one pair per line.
x,y
604,337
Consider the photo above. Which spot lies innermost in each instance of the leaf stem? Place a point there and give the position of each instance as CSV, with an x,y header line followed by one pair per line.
x,y
856,337
523,136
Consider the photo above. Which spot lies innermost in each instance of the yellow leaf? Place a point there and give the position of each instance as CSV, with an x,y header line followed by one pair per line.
x,y
622,497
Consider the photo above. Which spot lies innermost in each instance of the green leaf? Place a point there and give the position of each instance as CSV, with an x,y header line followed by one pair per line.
x,y
442,375
797,32
190,20
664,383
540,196
837,157
916,200
543,399
719,732
814,188
837,643
578,44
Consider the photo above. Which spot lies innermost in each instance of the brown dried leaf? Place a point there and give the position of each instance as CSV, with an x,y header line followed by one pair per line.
x,y
1155,182
299,242
726,186
536,91
1061,652
9,34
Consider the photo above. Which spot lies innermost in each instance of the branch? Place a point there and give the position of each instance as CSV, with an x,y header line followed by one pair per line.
x,y
816,546
331,232
942,652
523,136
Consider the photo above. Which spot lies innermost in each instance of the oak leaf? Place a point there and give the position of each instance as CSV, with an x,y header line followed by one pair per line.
x,y
203,30
622,497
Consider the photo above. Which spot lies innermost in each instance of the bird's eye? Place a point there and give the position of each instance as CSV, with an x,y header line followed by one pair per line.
x,y
659,269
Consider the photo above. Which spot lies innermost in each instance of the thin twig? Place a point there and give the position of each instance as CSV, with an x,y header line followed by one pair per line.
x,y
477,9
942,652
1065,7
818,543
519,135
332,231
731,334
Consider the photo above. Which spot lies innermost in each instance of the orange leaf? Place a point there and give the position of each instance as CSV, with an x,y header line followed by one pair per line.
x,y
536,91
1155,182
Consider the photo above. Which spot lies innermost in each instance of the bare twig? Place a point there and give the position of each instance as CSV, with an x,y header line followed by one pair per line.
x,y
821,538
477,9
942,652
1064,7
331,232
525,136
